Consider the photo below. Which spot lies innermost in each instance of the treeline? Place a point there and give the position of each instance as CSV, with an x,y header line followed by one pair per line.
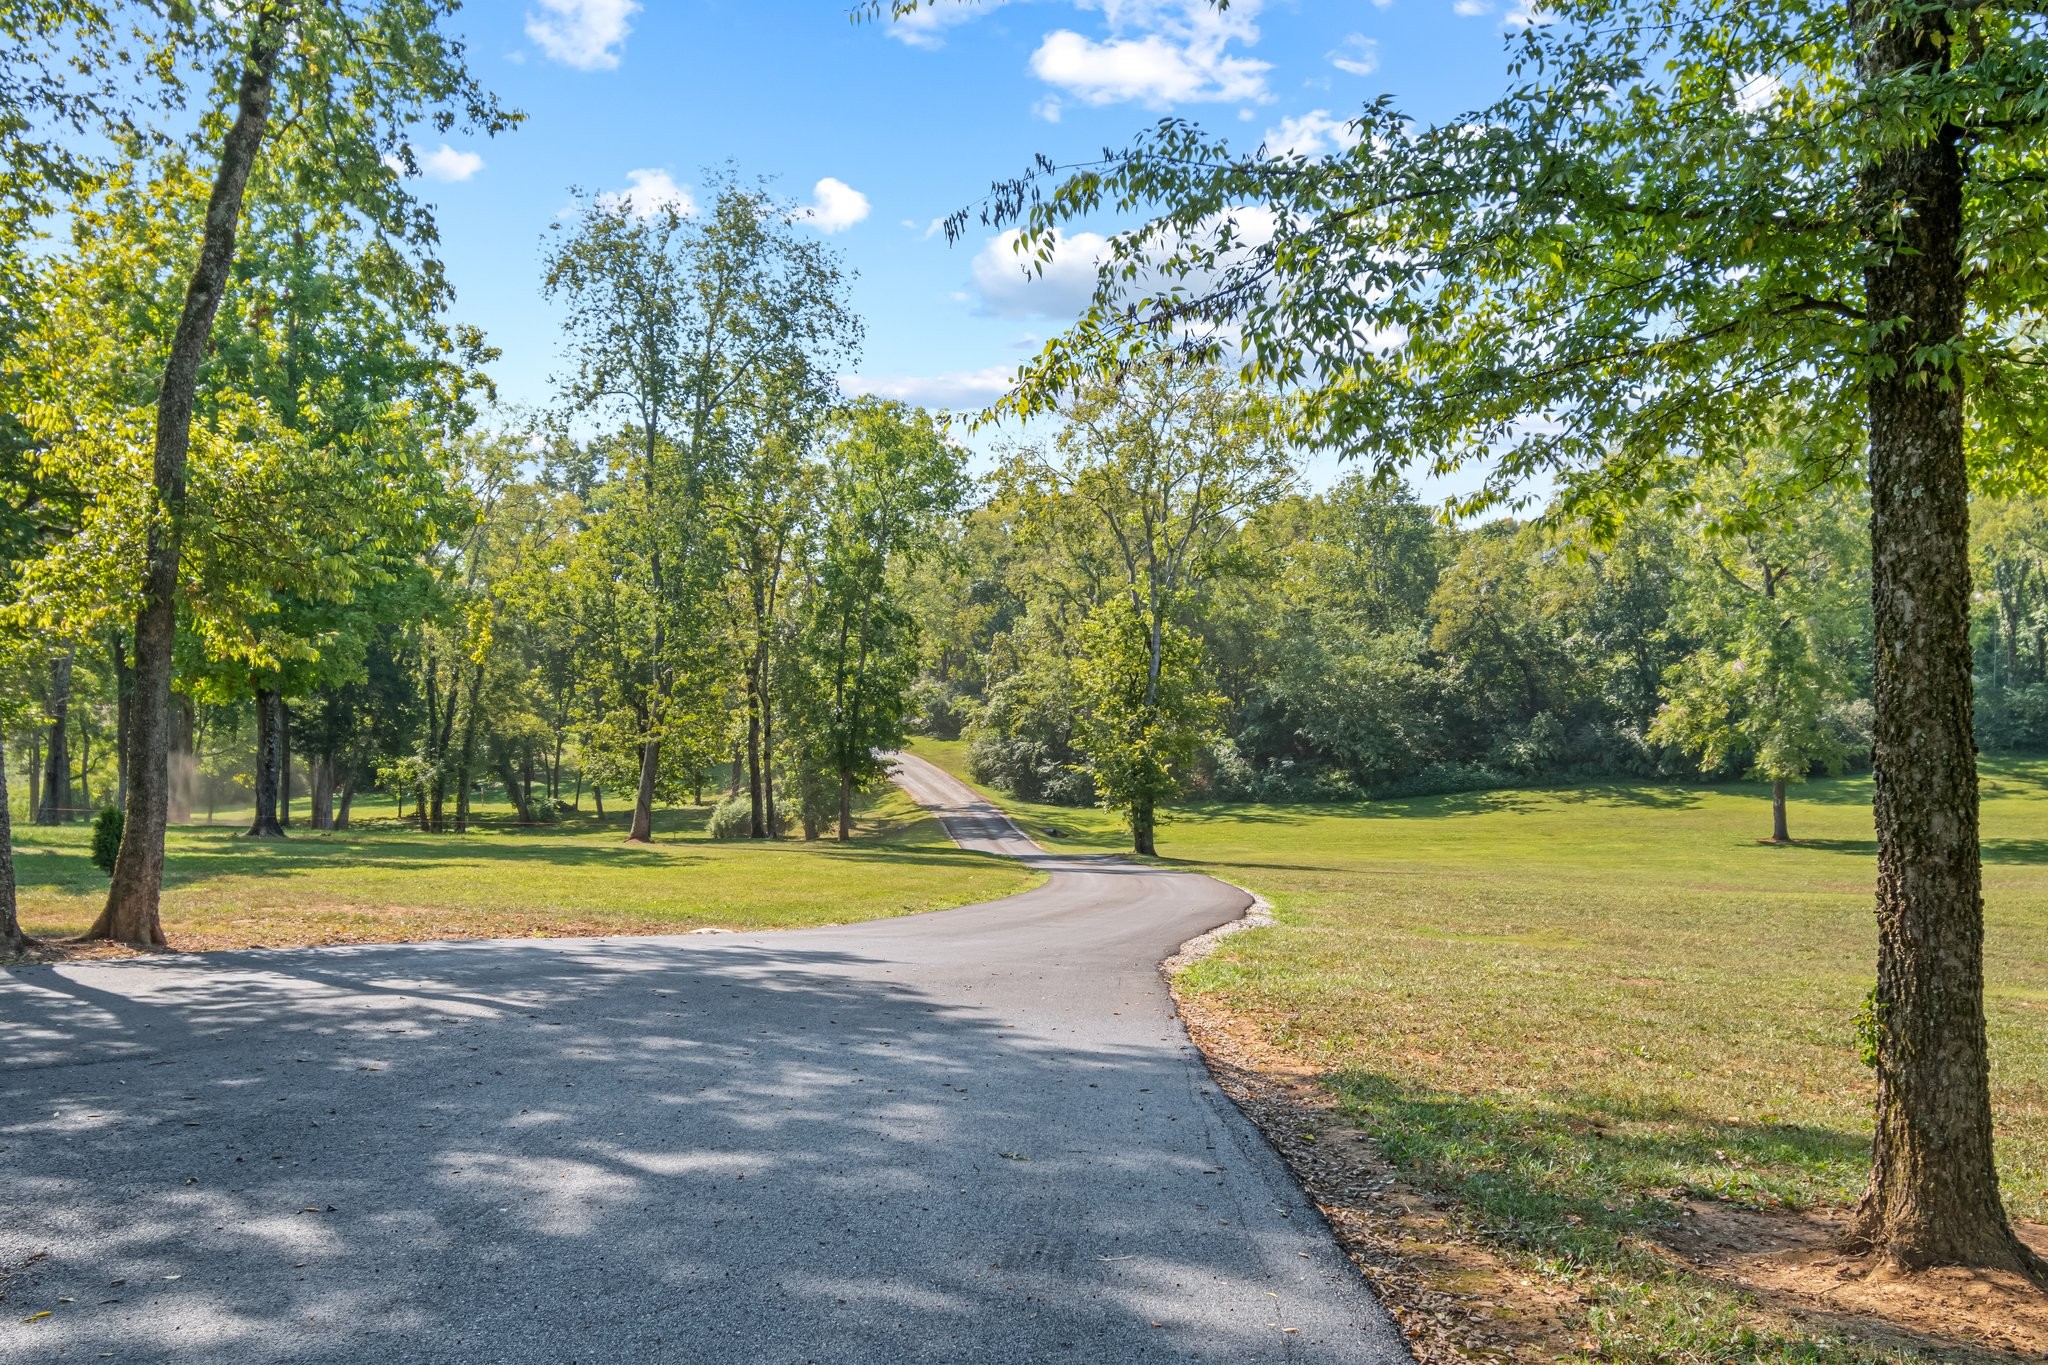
x,y
260,519
1351,643
711,580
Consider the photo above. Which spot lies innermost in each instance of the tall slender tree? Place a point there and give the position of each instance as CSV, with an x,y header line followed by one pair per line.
x,y
355,76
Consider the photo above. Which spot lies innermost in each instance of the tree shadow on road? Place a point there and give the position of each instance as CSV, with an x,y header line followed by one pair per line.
x,y
619,1149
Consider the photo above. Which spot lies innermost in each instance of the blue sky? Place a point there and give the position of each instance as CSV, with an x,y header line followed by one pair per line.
x,y
886,128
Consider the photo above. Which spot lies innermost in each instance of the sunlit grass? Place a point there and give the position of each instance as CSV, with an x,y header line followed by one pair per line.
x,y
1567,1007
384,881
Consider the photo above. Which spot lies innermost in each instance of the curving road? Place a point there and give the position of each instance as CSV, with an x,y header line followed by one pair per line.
x,y
976,1135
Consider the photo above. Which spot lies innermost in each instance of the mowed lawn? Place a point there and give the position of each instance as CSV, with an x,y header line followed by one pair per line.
x,y
386,882
1568,1007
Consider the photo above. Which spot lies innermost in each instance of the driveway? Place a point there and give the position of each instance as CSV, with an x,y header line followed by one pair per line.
x,y
975,1135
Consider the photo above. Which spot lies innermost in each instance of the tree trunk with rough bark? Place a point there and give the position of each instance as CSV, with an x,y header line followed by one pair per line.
x,y
1933,1197
1781,832
348,794
131,912
269,765
12,940
56,804
1142,821
642,830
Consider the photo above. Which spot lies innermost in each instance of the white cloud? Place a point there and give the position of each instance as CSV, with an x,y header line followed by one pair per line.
x,y
926,25
1006,284
835,206
953,389
1531,16
649,192
1360,55
1316,133
585,34
1472,8
450,166
1159,53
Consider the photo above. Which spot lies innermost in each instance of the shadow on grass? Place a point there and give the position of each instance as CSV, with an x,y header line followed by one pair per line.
x,y
199,854
2018,852
1574,1174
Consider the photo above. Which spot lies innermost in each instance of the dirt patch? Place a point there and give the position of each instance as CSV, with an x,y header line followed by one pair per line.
x,y
1457,1299
1789,1261
1453,1297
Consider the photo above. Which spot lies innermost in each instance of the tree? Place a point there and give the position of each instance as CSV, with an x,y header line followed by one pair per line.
x,y
1780,613
355,78
1155,465
1683,212
892,478
1143,712
703,335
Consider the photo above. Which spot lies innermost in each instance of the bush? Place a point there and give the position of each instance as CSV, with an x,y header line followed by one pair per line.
x,y
106,838
733,818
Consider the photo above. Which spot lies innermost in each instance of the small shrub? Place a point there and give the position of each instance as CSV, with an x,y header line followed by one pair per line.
x,y
733,818
106,838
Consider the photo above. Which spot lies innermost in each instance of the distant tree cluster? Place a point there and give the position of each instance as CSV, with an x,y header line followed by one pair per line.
x,y
1279,645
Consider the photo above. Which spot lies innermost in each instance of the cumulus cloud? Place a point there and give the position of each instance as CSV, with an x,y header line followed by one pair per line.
x,y
1472,8
1006,286
444,164
1359,55
1158,53
1316,133
586,34
952,389
648,192
835,206
450,166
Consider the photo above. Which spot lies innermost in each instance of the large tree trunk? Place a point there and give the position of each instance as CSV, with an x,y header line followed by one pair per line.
x,y
56,804
35,774
1781,832
642,831
1933,1197
1142,822
131,912
269,764
348,792
12,940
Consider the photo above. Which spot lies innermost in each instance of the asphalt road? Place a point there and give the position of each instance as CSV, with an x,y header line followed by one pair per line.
x,y
977,1135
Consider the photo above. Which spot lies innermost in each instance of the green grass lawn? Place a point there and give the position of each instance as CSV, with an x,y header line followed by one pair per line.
x,y
1567,1007
384,882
